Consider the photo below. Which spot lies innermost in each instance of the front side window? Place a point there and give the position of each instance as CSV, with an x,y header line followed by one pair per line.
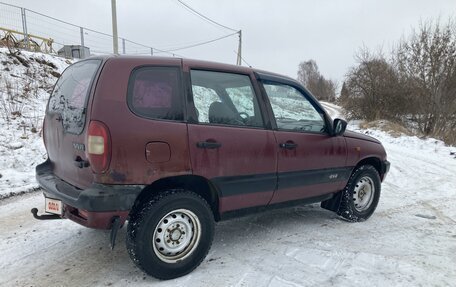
x,y
70,94
154,92
225,99
292,110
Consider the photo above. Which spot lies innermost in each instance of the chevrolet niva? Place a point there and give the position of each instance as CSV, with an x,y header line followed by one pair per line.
x,y
174,145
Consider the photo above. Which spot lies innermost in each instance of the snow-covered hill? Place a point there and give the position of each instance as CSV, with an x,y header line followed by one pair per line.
x,y
25,82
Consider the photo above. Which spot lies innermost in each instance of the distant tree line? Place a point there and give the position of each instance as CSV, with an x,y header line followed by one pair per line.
x,y
322,88
415,86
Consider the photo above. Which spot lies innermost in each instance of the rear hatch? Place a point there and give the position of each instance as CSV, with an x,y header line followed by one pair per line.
x,y
66,120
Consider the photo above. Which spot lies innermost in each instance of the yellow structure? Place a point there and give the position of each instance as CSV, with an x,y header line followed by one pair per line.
x,y
29,42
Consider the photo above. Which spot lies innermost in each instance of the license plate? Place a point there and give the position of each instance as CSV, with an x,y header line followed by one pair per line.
x,y
53,206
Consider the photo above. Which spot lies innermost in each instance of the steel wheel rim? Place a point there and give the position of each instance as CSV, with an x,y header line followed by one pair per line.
x,y
363,194
176,235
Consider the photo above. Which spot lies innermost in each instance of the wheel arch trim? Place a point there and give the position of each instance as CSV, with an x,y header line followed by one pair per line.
x,y
197,184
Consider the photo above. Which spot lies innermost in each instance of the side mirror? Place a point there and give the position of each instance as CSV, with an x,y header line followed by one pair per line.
x,y
339,127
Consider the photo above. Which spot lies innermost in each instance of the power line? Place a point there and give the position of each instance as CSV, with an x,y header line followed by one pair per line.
x,y
239,57
245,62
203,16
202,43
155,49
166,51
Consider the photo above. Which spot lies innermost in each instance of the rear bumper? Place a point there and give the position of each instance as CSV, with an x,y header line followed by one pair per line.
x,y
94,206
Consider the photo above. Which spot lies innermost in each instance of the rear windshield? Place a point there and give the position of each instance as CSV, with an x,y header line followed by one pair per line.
x,y
70,94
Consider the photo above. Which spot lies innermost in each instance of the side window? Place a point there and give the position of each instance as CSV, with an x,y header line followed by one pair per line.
x,y
155,92
203,97
225,99
242,98
292,110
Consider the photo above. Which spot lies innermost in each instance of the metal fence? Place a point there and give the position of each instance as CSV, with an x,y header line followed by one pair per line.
x,y
29,26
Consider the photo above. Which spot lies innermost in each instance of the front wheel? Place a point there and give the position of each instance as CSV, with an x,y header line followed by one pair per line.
x,y
361,195
171,234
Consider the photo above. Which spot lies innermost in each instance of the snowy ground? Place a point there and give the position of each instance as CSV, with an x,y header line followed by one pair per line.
x,y
409,241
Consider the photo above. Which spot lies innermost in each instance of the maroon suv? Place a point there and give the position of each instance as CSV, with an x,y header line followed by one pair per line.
x,y
172,145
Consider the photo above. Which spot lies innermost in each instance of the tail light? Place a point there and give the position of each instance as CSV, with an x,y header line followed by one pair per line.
x,y
98,146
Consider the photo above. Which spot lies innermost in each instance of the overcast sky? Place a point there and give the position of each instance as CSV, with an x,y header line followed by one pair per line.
x,y
277,34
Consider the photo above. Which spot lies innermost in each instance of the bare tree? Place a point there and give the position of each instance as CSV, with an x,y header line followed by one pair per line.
x,y
427,62
344,95
310,77
372,90
416,88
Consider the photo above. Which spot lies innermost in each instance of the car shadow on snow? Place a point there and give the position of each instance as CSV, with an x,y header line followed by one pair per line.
x,y
274,224
87,251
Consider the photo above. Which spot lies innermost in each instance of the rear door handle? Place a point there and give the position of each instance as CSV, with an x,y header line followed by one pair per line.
x,y
288,145
208,144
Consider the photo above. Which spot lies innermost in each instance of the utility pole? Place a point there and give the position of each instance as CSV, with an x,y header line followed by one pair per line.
x,y
239,54
115,44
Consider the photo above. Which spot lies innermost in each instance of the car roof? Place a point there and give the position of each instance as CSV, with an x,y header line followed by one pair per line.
x,y
194,63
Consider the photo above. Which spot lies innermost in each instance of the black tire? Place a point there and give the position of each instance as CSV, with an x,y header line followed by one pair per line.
x,y
361,194
170,221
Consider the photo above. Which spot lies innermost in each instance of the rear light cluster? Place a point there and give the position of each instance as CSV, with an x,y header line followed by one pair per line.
x,y
98,146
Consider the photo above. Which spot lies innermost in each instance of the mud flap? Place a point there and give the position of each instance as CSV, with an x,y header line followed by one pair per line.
x,y
115,227
333,203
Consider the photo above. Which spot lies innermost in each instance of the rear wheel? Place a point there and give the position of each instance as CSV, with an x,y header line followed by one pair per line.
x,y
171,234
361,195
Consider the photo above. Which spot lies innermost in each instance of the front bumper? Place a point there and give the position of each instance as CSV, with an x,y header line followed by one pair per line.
x,y
94,206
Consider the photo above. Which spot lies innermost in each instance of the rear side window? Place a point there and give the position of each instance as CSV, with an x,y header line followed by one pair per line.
x,y
155,92
70,94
